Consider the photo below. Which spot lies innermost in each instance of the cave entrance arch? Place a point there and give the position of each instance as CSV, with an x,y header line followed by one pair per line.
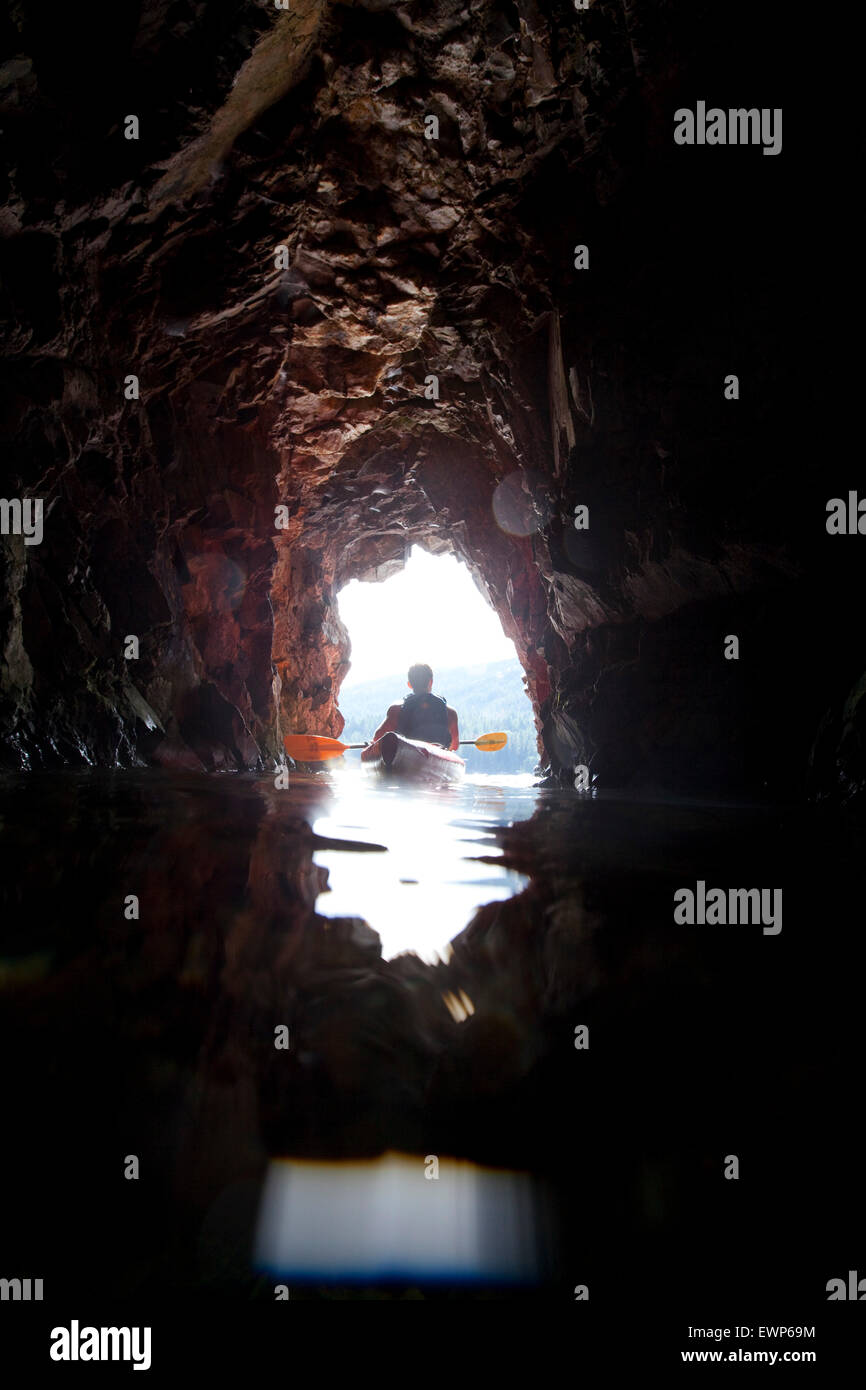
x,y
393,491
431,610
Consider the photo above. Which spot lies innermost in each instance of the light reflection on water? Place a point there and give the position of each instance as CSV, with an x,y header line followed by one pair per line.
x,y
379,1219
421,893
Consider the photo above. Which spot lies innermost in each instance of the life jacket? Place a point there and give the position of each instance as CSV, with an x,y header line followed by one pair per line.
x,y
425,717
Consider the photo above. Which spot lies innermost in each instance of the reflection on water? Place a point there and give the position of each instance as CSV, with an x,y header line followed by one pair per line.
x,y
160,932
401,1218
421,893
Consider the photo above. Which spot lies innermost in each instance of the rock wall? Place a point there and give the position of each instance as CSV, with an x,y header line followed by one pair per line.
x,y
386,336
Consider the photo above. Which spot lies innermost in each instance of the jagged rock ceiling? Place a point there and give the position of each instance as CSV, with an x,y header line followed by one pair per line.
x,y
284,260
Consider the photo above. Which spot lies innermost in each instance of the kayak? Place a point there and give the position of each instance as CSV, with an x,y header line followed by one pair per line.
x,y
417,762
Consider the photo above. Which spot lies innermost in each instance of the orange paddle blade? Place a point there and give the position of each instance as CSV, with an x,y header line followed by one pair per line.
x,y
491,743
310,748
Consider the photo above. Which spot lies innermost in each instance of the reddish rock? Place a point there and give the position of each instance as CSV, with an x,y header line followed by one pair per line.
x,y
283,260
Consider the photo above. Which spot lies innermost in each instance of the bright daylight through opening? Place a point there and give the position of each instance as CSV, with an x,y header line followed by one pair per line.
x,y
432,612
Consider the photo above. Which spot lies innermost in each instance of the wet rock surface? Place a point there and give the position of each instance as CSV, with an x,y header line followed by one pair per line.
x,y
302,379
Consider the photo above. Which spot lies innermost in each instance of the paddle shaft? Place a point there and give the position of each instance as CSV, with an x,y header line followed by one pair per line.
x,y
316,748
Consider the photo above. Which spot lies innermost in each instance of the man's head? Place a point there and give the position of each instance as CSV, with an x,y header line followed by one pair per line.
x,y
420,678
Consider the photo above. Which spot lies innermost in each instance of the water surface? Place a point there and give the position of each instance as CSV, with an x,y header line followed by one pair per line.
x,y
435,871
429,958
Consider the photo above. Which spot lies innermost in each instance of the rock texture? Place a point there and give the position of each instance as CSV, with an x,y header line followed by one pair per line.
x,y
284,260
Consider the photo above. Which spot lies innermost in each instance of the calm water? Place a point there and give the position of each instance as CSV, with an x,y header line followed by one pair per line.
x,y
407,861
434,871
428,957
157,929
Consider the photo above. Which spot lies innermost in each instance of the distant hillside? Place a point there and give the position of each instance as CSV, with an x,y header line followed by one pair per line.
x,y
486,698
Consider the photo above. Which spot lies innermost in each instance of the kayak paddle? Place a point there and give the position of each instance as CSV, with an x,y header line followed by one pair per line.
x,y
487,743
312,748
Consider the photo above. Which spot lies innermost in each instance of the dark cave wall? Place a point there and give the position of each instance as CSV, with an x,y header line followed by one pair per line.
x,y
304,385
169,543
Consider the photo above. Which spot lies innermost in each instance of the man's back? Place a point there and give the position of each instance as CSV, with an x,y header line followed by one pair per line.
x,y
424,716
421,716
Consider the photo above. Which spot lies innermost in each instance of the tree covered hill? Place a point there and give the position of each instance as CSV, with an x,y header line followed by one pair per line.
x,y
486,697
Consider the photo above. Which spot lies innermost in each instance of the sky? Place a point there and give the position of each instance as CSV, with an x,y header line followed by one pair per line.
x,y
431,611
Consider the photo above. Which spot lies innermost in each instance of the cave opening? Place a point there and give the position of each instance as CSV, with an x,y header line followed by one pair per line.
x,y
431,610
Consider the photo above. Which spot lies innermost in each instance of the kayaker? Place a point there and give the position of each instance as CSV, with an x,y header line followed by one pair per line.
x,y
422,716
